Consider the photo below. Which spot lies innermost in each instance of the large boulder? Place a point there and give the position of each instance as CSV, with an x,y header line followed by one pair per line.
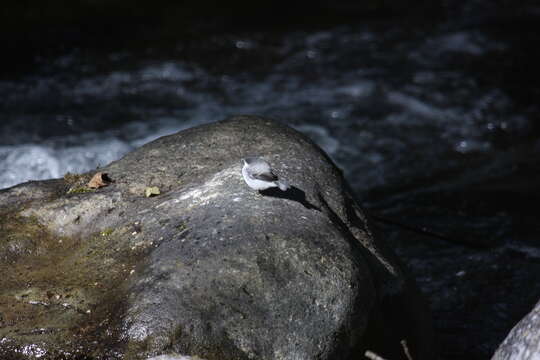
x,y
523,341
208,268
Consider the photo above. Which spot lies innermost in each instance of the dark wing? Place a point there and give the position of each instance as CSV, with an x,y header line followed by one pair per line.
x,y
265,176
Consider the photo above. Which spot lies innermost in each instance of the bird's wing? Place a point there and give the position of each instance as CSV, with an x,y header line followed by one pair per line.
x,y
265,175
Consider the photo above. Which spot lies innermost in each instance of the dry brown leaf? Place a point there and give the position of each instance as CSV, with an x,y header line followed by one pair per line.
x,y
99,179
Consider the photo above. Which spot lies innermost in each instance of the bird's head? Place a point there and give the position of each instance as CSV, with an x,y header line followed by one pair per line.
x,y
249,160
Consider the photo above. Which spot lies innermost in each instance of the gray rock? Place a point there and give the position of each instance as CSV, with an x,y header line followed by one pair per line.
x,y
209,267
523,341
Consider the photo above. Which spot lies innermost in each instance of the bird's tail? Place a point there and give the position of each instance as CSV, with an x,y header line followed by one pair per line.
x,y
283,185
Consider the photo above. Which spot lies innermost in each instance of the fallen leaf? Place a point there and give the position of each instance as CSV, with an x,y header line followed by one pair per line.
x,y
151,191
99,179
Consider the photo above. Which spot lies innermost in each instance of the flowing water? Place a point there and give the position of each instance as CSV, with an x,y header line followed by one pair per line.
x,y
429,131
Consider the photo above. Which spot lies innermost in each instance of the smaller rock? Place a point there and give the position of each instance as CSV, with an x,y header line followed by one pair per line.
x,y
523,341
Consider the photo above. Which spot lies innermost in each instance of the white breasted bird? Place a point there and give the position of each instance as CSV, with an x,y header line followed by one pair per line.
x,y
259,175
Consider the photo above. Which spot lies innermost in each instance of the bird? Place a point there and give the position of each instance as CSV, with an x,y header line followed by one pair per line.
x,y
258,175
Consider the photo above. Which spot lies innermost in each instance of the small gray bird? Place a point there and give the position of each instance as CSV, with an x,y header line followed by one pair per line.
x,y
259,175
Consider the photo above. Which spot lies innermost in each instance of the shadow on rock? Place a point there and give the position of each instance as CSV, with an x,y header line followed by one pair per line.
x,y
293,193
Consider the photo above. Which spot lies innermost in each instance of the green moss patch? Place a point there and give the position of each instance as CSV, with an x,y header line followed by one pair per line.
x,y
77,183
80,190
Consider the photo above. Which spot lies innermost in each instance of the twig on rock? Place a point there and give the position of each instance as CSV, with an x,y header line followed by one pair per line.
x,y
427,232
406,349
372,356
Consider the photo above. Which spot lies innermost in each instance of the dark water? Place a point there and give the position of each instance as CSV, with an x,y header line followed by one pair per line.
x,y
435,126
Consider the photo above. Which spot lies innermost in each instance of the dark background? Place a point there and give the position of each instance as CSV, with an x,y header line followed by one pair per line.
x,y
478,262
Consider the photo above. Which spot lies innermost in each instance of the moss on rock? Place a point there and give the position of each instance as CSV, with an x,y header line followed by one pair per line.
x,y
60,295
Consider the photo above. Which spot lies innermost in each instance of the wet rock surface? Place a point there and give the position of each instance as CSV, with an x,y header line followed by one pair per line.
x,y
207,268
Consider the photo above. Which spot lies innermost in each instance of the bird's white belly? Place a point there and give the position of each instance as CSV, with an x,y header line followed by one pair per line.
x,y
257,184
